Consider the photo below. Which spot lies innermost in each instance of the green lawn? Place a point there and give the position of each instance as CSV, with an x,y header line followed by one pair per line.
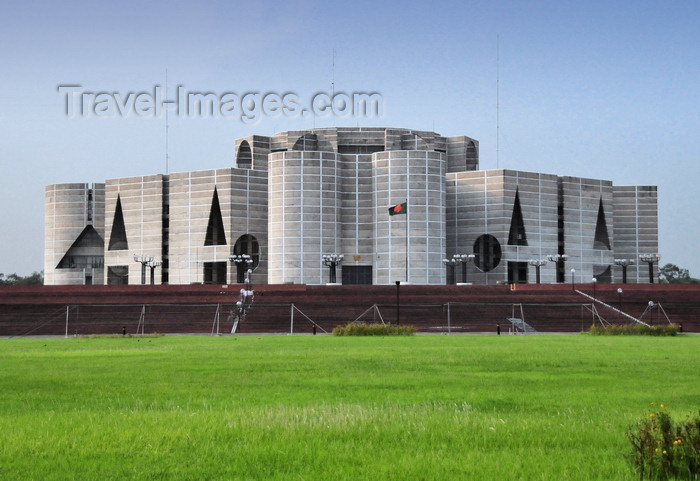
x,y
543,407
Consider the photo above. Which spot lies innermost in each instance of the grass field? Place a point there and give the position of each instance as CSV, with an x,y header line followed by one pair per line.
x,y
544,407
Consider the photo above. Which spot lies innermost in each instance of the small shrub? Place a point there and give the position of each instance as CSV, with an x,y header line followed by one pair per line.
x,y
357,329
634,330
662,449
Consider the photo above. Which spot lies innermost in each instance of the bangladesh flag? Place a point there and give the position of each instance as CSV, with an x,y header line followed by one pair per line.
x,y
398,209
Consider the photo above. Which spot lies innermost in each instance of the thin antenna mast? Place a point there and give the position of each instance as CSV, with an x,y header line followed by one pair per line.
x,y
498,99
167,125
333,83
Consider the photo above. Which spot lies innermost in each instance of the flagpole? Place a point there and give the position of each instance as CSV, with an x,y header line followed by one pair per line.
x,y
402,209
406,241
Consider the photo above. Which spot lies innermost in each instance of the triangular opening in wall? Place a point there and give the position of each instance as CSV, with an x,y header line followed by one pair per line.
x,y
516,235
117,238
215,229
601,239
86,251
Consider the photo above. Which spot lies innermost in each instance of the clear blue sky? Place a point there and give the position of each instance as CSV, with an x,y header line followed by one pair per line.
x,y
606,90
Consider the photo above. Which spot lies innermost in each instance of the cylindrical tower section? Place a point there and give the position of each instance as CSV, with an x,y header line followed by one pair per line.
x,y
74,227
409,247
304,215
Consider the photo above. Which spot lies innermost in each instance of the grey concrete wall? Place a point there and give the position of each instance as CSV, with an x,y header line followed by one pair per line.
x,y
142,207
357,210
581,205
67,211
538,202
475,207
242,195
249,216
415,177
462,154
636,227
482,203
259,147
304,215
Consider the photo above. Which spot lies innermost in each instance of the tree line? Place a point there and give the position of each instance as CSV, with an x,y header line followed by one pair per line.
x,y
34,279
672,274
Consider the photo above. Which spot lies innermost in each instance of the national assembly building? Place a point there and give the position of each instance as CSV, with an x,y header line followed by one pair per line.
x,y
374,205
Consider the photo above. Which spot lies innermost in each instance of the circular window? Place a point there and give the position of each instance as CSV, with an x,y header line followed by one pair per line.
x,y
487,250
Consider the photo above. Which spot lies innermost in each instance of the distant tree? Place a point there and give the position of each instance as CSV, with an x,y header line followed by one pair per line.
x,y
672,274
35,279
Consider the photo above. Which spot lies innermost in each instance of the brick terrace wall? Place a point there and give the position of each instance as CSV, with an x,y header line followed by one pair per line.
x,y
41,310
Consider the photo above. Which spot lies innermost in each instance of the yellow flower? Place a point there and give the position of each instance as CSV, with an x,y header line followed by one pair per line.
x,y
651,415
665,452
656,450
662,405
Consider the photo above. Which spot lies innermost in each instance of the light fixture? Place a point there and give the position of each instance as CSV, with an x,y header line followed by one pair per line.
x,y
537,264
650,259
624,263
332,261
464,258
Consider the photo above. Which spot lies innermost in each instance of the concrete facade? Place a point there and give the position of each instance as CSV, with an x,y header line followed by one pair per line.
x,y
298,195
74,229
636,230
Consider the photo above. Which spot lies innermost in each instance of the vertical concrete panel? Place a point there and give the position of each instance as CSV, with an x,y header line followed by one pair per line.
x,y
635,214
304,214
415,177
69,208
142,207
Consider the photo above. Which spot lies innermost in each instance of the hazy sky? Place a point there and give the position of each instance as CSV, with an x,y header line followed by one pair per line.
x,y
606,90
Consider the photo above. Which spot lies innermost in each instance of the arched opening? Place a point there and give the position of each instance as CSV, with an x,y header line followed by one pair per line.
x,y
472,156
306,142
246,244
244,156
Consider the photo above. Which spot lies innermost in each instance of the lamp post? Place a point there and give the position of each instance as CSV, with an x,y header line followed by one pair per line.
x,y
153,263
559,260
619,298
651,313
594,281
537,263
573,274
624,263
650,259
144,260
398,319
450,263
243,263
332,261
244,266
464,258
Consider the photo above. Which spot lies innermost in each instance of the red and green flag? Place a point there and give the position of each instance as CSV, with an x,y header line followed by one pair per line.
x,y
398,209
